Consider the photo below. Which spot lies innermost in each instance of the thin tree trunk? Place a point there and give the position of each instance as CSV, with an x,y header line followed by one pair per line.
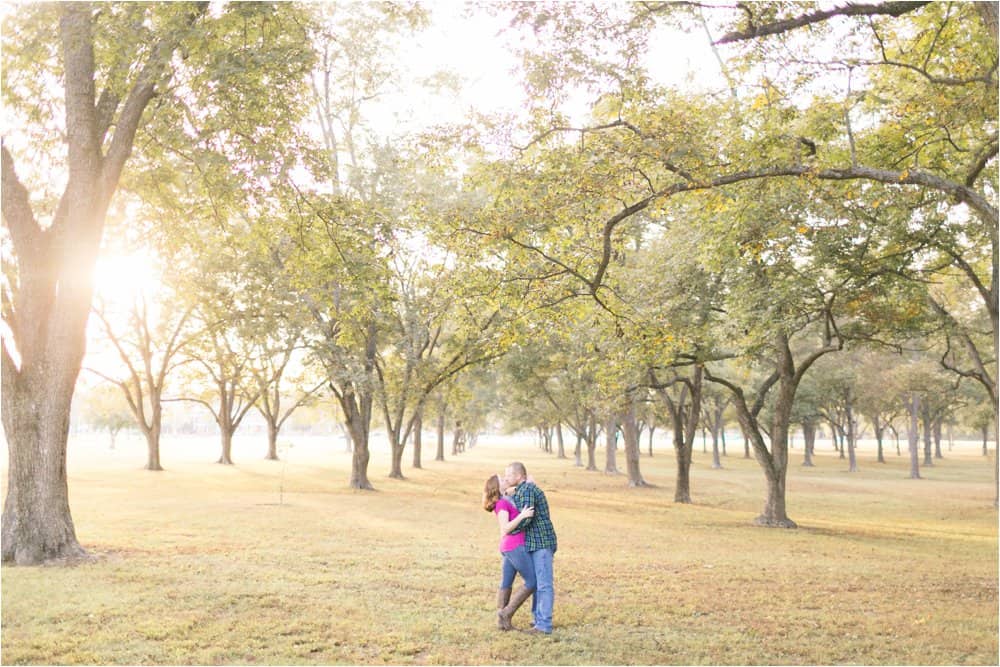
x,y
592,443
611,435
631,442
561,452
418,426
926,419
809,442
440,437
716,425
937,439
851,435
913,434
879,436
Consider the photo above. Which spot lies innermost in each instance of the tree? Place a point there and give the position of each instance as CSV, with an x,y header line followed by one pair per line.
x,y
104,409
49,299
149,348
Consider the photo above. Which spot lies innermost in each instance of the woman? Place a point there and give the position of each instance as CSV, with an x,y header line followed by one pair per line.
x,y
515,558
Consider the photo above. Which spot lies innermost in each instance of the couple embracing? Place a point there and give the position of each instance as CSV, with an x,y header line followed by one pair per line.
x,y
527,544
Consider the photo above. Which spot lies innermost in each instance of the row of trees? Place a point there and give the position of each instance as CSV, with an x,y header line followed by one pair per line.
x,y
664,242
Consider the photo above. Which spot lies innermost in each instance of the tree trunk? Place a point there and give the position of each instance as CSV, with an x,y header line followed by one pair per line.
x,y
561,446
716,425
631,443
937,439
651,430
226,435
610,439
913,434
879,436
37,525
418,426
578,451
926,419
153,448
851,436
682,489
592,443
272,439
358,414
396,449
809,441
440,437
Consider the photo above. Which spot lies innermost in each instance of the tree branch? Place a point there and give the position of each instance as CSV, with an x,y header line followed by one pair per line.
x,y
780,27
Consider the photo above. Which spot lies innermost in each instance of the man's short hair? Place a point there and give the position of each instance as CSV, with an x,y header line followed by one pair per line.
x,y
518,469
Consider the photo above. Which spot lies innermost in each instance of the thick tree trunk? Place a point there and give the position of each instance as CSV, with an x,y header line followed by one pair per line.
x,y
396,449
418,427
610,440
37,525
682,488
226,436
272,440
809,442
358,414
775,468
153,448
913,434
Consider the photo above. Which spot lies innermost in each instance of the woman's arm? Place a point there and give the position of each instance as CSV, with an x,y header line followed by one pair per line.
x,y
507,524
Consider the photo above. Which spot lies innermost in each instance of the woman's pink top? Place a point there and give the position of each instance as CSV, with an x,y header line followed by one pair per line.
x,y
509,542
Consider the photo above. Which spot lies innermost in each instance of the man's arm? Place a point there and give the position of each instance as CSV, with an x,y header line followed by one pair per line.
x,y
524,496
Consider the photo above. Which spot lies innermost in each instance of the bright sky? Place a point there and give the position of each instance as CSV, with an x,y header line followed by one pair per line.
x,y
474,48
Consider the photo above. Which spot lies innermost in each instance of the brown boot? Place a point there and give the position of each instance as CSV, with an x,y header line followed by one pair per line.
x,y
503,597
516,600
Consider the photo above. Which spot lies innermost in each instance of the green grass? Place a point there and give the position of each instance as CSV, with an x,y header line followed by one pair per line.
x,y
200,564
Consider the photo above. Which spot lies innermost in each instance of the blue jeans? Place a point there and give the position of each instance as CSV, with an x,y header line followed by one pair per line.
x,y
541,602
517,561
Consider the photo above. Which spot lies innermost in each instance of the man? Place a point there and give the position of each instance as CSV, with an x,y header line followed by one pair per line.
x,y
539,541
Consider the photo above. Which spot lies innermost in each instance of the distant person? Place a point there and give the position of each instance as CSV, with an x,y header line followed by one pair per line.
x,y
515,558
539,541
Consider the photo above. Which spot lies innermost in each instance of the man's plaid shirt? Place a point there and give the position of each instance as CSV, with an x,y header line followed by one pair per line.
x,y
538,530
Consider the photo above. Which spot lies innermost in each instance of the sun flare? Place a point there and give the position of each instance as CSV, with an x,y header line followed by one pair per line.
x,y
124,277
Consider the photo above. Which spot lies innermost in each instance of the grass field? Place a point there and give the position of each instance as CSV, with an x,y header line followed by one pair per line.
x,y
280,563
